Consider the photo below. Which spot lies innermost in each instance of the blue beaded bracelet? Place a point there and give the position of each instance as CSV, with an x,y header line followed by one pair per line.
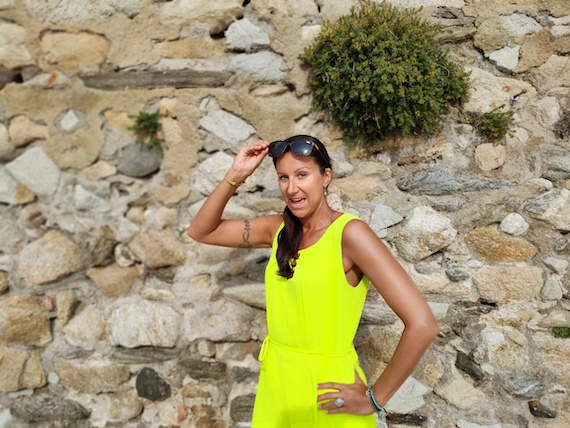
x,y
378,407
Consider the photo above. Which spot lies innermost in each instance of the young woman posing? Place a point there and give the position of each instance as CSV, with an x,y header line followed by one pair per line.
x,y
316,282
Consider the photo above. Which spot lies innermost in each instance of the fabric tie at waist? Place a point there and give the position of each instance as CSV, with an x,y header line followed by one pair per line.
x,y
268,341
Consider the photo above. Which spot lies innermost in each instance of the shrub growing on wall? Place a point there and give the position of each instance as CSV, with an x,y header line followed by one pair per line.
x,y
381,70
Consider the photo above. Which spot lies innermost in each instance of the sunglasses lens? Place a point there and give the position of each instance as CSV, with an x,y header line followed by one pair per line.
x,y
298,148
302,147
277,148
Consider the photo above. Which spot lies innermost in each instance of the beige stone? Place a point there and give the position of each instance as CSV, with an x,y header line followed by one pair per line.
x,y
65,305
49,258
114,280
91,377
86,329
73,53
499,247
197,48
216,15
23,130
535,50
503,284
490,156
24,321
20,369
13,50
490,35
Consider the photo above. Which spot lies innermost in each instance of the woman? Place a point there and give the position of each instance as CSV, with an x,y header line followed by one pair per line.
x,y
316,282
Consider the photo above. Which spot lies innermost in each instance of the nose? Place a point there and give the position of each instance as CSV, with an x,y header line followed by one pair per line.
x,y
291,186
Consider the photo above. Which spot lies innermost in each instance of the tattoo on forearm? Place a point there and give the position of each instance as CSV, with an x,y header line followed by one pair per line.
x,y
246,231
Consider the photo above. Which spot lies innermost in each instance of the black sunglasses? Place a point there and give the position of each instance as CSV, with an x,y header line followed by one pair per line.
x,y
298,148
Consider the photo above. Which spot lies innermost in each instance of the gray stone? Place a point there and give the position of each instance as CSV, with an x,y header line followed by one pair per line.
x,y
524,387
507,58
556,162
514,224
151,386
134,323
434,181
229,128
85,200
36,171
558,266
241,408
50,407
139,160
553,207
267,67
519,24
465,363
243,35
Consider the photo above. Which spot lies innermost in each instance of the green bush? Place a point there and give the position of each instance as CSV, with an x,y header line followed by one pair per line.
x,y
381,70
146,129
493,125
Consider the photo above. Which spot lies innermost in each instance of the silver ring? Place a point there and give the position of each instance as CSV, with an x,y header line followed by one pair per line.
x,y
339,402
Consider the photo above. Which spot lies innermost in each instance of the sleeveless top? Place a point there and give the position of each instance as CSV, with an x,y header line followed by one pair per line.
x,y
312,319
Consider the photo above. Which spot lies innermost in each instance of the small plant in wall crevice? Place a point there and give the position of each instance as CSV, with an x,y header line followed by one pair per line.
x,y
493,125
146,128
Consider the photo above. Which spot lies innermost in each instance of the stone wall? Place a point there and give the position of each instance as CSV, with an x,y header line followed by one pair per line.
x,y
111,316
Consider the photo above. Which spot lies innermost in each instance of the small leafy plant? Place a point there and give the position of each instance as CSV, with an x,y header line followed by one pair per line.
x,y
381,70
561,332
146,128
494,125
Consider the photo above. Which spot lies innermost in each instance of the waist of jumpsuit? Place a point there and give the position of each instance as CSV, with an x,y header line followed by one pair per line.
x,y
268,342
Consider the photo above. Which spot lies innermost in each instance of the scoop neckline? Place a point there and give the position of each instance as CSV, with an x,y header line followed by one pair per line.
x,y
324,233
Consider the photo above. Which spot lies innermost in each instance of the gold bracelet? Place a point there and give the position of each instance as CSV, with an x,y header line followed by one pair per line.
x,y
233,183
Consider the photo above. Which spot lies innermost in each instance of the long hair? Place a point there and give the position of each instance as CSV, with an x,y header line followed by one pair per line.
x,y
290,236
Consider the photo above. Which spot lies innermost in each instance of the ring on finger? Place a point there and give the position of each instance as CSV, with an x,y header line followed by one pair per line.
x,y
339,402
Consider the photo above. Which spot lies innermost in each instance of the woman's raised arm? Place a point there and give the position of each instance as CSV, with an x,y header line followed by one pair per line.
x,y
208,227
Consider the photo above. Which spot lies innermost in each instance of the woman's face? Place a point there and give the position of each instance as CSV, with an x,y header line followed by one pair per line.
x,y
301,183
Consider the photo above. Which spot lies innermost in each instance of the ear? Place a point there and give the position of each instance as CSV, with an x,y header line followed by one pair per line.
x,y
327,177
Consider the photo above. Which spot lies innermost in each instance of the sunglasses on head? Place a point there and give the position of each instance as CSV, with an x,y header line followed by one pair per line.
x,y
297,147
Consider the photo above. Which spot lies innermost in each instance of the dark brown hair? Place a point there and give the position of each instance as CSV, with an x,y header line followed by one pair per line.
x,y
290,236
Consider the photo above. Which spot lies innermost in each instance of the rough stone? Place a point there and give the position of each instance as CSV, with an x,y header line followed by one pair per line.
x,y
23,131
73,53
243,35
492,245
86,329
158,248
514,224
50,258
36,171
20,369
48,408
91,377
24,321
504,284
13,50
423,233
114,280
553,207
139,322
490,156
151,386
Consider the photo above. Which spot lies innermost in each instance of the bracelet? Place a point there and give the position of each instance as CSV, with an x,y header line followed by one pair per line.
x,y
233,183
370,394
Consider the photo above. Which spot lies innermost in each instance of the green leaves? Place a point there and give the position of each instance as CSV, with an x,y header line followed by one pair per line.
x,y
146,128
380,70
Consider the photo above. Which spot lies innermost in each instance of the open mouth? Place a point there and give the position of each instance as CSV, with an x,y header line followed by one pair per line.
x,y
297,202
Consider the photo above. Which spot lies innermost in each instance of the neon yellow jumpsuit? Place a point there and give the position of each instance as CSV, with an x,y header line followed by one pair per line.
x,y
312,319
